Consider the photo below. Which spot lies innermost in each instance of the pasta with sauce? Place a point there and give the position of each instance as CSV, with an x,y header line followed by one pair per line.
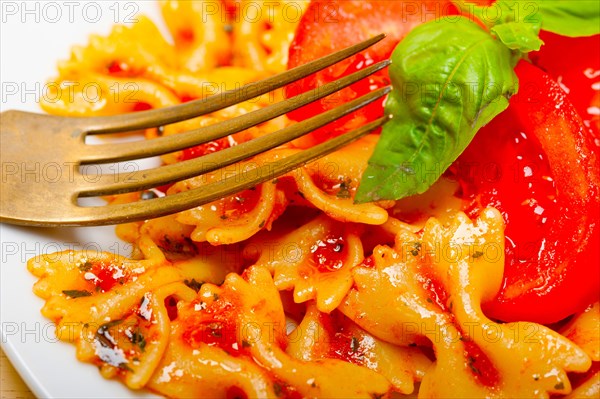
x,y
289,289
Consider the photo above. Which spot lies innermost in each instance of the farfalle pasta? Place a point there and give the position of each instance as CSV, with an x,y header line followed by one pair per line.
x,y
289,289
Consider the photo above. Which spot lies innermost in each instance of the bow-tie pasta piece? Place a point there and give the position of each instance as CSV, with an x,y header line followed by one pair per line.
x,y
432,285
113,309
314,261
321,336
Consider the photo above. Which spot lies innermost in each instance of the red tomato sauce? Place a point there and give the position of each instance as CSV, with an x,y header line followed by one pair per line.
x,y
204,149
105,276
328,255
241,203
480,365
214,324
343,344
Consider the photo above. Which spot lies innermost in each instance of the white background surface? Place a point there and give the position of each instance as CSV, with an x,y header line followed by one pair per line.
x,y
34,36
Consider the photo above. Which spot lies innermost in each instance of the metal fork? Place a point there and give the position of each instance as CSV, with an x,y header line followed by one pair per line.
x,y
31,142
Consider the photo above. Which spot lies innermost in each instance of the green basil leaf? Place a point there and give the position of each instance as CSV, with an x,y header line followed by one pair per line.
x,y
76,293
516,23
570,17
450,78
566,17
502,11
519,36
193,284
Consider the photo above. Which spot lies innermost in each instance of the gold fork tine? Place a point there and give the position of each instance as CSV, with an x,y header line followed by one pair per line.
x,y
144,179
165,116
122,213
104,153
42,180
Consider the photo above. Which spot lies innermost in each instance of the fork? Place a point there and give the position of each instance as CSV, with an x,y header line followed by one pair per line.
x,y
34,142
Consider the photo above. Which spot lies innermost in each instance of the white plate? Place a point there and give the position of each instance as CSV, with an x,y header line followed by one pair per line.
x,y
34,36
